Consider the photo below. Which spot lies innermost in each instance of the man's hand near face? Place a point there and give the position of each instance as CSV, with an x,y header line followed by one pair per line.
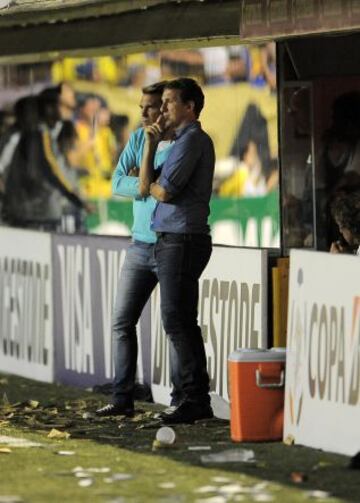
x,y
155,132
153,135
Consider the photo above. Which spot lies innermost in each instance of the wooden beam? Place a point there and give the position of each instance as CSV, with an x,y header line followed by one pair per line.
x,y
161,25
52,11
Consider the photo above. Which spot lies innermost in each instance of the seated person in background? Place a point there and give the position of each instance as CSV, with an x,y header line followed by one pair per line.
x,y
238,68
345,209
248,179
268,59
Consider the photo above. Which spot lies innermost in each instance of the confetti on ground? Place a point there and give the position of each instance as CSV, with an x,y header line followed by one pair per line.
x,y
260,486
230,489
103,469
160,445
97,441
122,476
18,442
82,475
263,497
199,448
118,477
213,499
317,494
289,440
78,469
230,456
220,480
33,404
54,433
85,482
206,489
167,485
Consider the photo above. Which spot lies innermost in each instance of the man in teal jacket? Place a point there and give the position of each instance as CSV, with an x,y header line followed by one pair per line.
x,y
139,275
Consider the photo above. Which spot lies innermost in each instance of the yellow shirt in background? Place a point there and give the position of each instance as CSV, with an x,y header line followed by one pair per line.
x,y
98,159
234,186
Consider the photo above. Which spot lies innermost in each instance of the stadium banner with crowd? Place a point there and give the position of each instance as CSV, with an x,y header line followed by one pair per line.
x,y
323,352
252,221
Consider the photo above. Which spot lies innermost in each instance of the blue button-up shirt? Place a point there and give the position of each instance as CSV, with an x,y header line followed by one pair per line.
x,y
187,176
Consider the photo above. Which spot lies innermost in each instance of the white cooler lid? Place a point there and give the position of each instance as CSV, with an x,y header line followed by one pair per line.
x,y
258,355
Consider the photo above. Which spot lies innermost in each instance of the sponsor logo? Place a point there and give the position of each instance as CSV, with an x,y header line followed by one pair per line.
x,y
323,357
76,304
25,310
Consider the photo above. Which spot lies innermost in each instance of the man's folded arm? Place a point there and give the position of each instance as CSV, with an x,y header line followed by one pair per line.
x,y
177,169
122,183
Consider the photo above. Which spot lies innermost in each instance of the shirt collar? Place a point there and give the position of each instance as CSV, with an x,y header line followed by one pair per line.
x,y
181,130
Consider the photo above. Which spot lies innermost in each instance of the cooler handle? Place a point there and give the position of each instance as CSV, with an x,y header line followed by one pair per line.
x,y
261,384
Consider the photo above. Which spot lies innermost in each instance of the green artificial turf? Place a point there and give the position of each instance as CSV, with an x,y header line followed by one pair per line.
x,y
125,446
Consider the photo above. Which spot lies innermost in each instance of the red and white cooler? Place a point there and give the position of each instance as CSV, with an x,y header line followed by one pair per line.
x,y
257,378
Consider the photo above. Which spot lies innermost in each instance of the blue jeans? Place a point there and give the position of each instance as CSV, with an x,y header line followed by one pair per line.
x,y
137,280
180,259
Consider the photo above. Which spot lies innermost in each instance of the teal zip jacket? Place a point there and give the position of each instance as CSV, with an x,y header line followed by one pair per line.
x,y
128,186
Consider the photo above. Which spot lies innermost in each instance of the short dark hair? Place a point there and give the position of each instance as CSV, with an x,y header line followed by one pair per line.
x,y
83,98
157,88
189,91
48,99
345,209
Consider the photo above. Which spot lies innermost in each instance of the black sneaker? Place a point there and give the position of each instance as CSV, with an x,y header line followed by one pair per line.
x,y
115,410
188,412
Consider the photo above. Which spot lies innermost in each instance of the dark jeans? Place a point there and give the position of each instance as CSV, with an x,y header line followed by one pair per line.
x,y
137,280
180,259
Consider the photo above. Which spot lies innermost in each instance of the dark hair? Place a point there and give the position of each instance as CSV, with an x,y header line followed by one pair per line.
x,y
157,88
26,111
189,91
67,136
345,209
83,98
50,94
48,99
119,122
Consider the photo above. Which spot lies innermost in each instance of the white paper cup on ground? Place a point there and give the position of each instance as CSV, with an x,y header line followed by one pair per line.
x,y
166,435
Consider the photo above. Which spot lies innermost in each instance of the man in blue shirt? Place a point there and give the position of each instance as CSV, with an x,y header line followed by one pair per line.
x,y
183,248
138,276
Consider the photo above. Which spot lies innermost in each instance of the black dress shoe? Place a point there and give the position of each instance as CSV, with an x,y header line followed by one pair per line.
x,y
115,410
188,412
167,411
